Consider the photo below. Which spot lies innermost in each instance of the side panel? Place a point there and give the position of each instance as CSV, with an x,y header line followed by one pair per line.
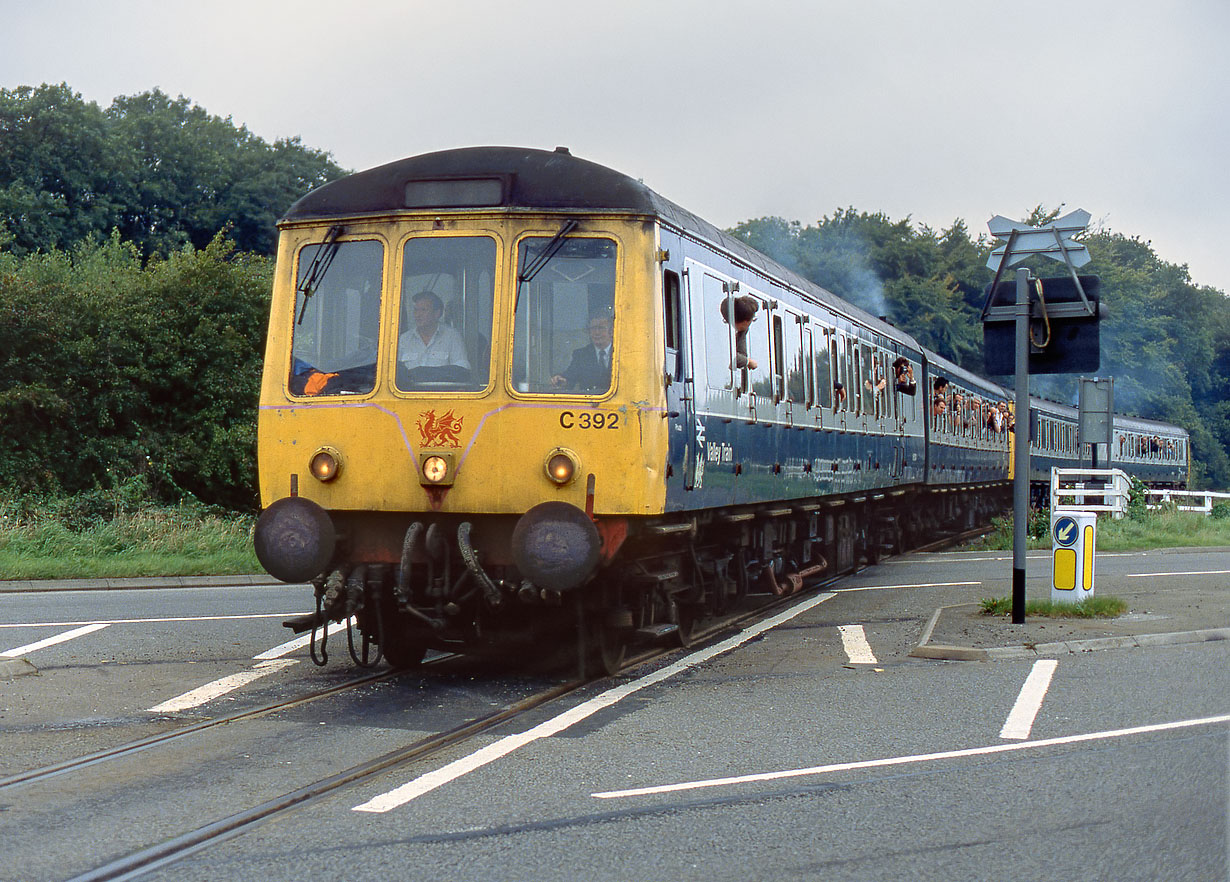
x,y
776,430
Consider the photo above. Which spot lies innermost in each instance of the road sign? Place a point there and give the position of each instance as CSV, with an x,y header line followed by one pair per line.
x,y
1054,240
1066,531
1073,541
1064,339
1097,409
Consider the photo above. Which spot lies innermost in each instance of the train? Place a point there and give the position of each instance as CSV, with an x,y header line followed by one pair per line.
x,y
511,395
1156,453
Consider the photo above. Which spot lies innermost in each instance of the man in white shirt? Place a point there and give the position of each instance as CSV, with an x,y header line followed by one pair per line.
x,y
430,343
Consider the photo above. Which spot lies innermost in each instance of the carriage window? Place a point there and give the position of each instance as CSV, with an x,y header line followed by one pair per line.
x,y
564,325
779,360
337,319
444,332
793,362
882,387
671,323
807,365
839,374
737,354
823,374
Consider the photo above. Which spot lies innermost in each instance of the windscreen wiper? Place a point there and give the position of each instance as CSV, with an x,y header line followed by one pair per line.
x,y
544,256
321,261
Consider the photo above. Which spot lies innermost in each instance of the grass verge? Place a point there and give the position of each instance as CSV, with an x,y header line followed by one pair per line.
x,y
152,541
1164,528
1090,608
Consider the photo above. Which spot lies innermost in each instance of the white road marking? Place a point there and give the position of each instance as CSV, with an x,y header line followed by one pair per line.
x,y
489,754
148,621
914,585
217,688
52,641
938,559
1191,573
1021,718
918,758
854,639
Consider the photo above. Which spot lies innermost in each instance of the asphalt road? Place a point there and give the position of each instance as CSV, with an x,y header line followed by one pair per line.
x,y
850,758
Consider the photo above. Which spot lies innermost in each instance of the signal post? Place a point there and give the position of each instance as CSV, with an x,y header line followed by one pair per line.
x,y
1069,342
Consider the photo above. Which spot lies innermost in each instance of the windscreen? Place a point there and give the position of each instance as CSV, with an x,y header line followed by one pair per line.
x,y
337,318
564,324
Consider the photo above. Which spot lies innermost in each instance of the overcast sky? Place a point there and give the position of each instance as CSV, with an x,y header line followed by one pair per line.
x,y
933,110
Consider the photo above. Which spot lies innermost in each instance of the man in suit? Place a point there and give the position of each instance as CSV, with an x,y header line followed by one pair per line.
x,y
590,368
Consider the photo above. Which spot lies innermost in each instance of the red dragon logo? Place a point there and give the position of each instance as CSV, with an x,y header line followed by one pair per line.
x,y
439,431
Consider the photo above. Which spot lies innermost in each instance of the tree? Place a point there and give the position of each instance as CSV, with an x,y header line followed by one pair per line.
x,y
59,176
149,371
163,171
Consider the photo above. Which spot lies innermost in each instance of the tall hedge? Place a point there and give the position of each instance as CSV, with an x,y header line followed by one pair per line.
x,y
115,371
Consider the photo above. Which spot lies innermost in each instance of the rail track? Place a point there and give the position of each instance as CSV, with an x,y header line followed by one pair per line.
x,y
167,852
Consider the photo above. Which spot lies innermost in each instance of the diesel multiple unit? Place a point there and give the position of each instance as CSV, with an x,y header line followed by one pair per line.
x,y
510,391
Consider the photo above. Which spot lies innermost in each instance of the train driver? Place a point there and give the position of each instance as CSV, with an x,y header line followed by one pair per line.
x,y
431,343
590,368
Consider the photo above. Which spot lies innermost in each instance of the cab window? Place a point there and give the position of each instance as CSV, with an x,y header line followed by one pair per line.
x,y
337,318
564,322
445,312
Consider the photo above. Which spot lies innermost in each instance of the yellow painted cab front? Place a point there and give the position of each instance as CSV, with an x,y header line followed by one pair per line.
x,y
469,364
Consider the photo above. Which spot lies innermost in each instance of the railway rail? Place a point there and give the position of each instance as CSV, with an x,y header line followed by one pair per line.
x,y
150,858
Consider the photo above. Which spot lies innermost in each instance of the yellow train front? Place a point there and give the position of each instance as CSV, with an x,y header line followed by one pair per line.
x,y
458,411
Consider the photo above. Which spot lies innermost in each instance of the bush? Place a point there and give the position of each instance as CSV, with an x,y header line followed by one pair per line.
x,y
127,381
1138,500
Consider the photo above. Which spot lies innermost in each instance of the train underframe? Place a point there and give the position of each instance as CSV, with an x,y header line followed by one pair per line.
x,y
455,585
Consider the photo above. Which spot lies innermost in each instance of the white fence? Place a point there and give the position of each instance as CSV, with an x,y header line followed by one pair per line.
x,y
1107,490
1187,500
1101,490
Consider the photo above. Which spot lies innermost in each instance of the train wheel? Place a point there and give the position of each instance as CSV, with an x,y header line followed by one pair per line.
x,y
608,641
686,615
402,654
401,649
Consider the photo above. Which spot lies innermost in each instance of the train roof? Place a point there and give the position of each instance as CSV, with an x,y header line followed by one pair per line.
x,y
479,177
523,177
1140,424
1122,421
940,366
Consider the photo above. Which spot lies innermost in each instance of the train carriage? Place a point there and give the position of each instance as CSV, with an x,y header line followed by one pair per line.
x,y
1156,453
968,422
509,392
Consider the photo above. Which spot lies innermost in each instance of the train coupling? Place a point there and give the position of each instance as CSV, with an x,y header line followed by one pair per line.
x,y
299,624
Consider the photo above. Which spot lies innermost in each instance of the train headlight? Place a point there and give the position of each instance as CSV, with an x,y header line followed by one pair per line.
x,y
325,464
562,465
437,470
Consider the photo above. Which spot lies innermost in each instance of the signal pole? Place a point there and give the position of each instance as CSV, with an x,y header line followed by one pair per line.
x,y
1020,483
1055,242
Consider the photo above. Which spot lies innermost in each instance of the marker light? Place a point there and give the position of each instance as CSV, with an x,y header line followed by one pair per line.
x,y
562,465
435,469
325,464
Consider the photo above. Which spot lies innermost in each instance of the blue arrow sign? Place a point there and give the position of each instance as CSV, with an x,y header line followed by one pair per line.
x,y
1066,532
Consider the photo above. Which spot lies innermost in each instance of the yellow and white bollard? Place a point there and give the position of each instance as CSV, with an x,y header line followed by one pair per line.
x,y
1073,536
